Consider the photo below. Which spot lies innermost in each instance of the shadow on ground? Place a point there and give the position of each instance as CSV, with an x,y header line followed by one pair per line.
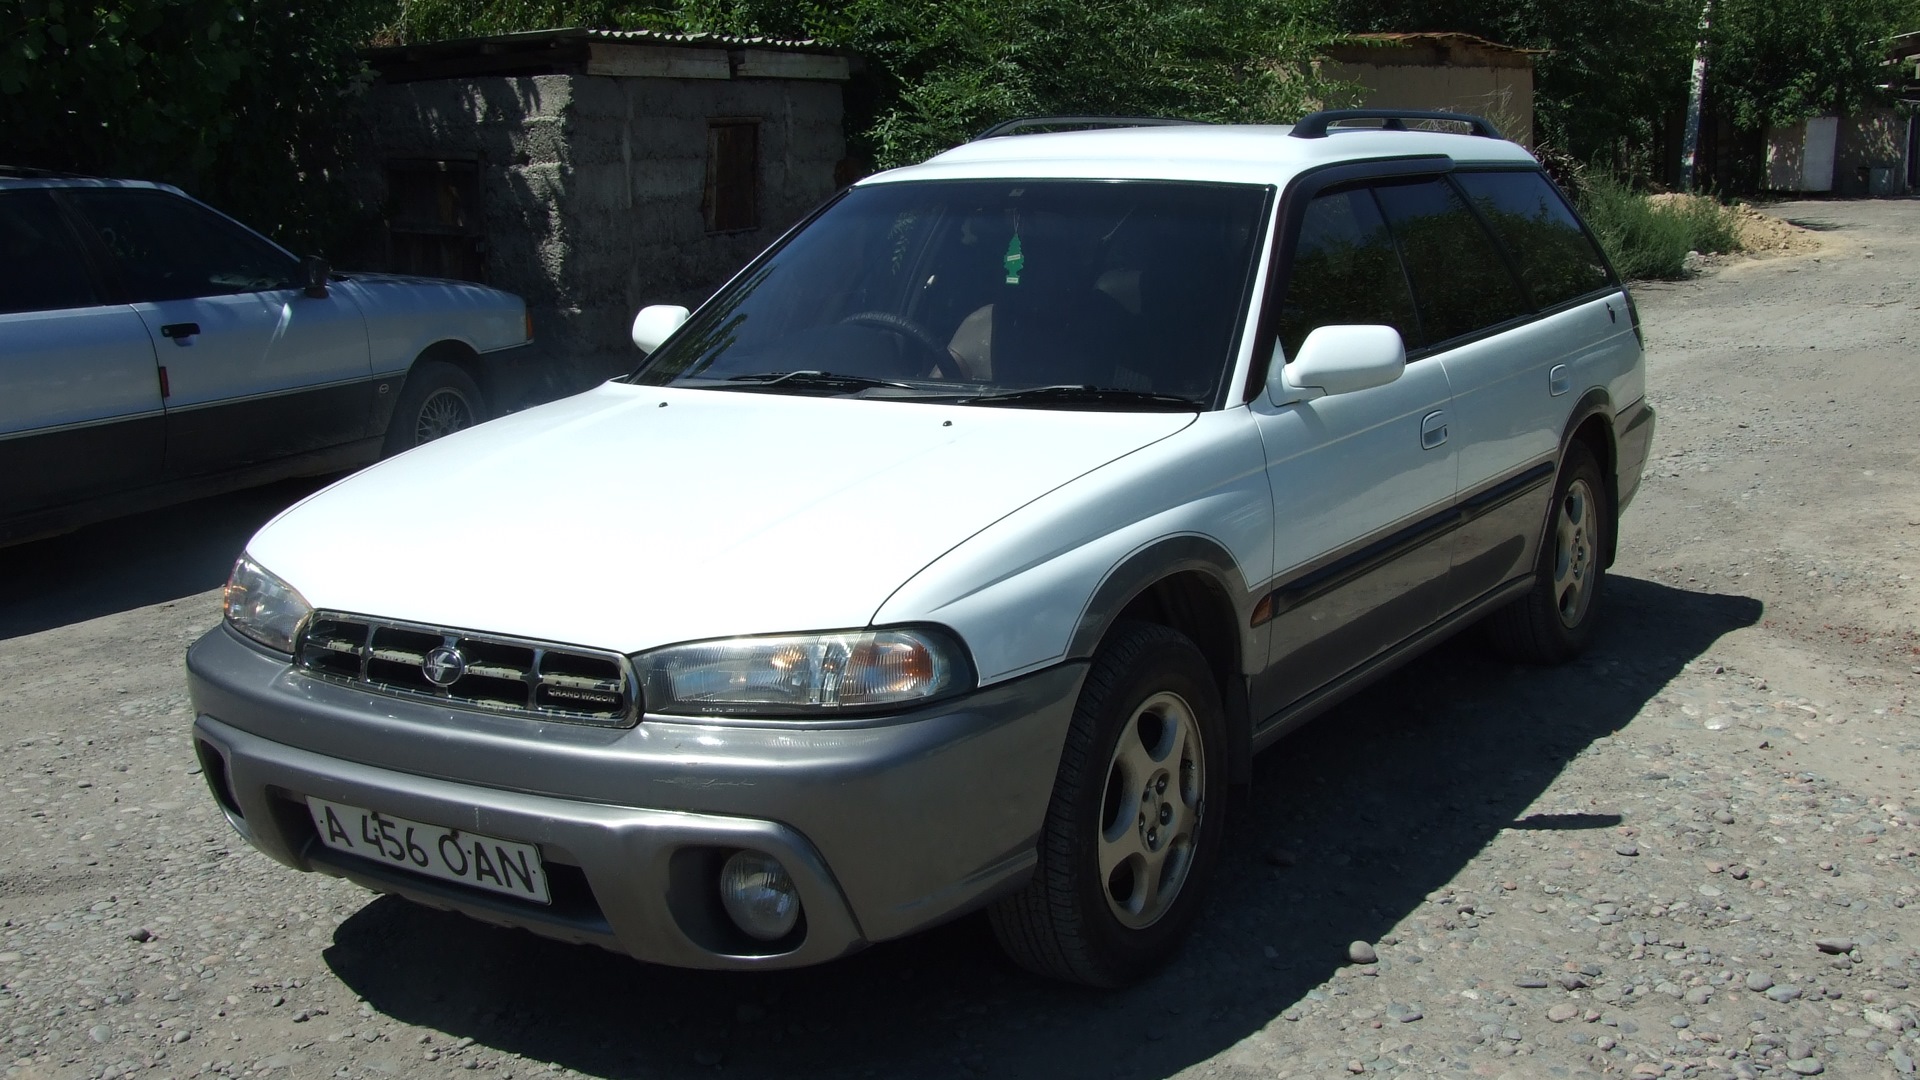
x,y
132,562
1369,809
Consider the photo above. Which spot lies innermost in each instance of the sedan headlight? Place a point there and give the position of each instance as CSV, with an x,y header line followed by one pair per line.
x,y
263,607
804,674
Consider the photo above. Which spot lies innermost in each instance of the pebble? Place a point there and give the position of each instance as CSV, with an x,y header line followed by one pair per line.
x,y
99,1033
1784,994
1629,850
1361,952
1530,982
1758,981
1807,1066
1563,1012
1406,1014
1834,945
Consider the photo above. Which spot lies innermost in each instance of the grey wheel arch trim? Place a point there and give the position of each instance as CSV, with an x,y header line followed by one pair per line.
x,y
1157,561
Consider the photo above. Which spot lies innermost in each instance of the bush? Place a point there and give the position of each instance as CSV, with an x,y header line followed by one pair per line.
x,y
1649,237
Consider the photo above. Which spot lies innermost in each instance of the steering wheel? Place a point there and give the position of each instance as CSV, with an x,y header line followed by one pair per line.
x,y
943,361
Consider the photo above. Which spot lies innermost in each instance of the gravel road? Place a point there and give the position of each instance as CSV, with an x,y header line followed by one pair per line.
x,y
1692,853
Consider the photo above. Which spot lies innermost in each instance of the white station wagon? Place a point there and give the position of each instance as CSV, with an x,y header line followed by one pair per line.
x,y
957,555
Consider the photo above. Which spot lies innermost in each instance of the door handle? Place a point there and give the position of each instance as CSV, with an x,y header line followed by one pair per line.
x,y
178,330
1433,429
1559,380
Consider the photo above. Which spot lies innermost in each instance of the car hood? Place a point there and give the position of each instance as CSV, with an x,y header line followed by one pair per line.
x,y
629,517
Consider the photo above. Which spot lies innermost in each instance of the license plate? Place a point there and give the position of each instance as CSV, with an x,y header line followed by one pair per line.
x,y
486,862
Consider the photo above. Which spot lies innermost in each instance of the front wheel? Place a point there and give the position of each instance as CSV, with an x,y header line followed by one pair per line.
x,y
1136,819
439,399
1554,620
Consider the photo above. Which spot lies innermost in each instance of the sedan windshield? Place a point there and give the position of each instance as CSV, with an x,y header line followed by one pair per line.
x,y
1099,294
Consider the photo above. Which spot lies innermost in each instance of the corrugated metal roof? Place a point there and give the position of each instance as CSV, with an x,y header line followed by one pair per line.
x,y
1443,37
531,38
663,36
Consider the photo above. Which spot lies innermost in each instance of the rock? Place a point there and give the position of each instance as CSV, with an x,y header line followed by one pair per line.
x,y
1724,817
142,935
1628,850
1699,995
1571,980
1406,1014
1679,1022
1807,1066
1563,1012
99,1033
181,1036
1758,981
1834,945
1530,982
1362,953
1783,994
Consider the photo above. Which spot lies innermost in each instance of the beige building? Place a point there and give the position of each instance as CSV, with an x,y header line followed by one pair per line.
x,y
1455,72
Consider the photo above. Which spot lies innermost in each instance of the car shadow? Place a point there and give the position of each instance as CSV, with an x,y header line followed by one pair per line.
x,y
134,561
1351,824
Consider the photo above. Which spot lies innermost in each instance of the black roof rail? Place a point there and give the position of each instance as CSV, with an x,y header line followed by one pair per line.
x,y
1012,127
1315,125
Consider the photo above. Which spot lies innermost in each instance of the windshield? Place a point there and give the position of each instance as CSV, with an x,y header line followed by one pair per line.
x,y
974,290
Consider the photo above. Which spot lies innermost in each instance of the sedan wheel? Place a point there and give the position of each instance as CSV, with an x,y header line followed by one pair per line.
x,y
1555,618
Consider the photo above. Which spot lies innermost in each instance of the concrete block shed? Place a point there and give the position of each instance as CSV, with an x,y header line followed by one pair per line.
x,y
1453,72
595,172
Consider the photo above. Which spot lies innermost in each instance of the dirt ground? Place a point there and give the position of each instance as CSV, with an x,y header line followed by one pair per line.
x,y
1692,853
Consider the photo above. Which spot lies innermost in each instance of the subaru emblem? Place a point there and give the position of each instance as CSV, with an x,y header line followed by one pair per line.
x,y
444,666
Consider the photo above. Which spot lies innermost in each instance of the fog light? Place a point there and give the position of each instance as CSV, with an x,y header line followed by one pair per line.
x,y
759,895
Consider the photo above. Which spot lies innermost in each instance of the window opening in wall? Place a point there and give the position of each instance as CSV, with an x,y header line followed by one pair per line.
x,y
433,224
732,198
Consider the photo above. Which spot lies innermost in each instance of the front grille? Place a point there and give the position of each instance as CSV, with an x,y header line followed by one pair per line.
x,y
499,674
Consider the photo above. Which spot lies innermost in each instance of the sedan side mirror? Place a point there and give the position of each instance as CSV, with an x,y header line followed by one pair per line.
x,y
655,324
1337,360
315,274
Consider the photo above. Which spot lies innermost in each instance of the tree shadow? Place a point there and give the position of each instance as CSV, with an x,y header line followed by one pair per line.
x,y
134,561
1352,823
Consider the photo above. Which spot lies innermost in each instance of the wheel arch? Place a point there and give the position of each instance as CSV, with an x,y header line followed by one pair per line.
x,y
1591,423
1190,584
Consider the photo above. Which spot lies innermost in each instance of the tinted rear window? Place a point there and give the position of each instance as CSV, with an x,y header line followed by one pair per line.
x,y
1459,278
1556,259
40,263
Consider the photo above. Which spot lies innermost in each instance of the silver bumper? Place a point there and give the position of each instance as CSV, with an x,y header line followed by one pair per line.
x,y
887,826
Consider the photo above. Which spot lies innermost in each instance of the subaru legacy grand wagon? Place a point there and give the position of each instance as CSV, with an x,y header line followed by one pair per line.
x,y
957,555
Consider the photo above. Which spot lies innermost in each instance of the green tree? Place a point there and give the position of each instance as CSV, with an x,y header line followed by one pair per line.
x,y
1781,61
241,102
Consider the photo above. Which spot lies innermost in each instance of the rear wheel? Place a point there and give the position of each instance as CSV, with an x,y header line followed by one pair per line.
x,y
1136,819
1555,620
439,399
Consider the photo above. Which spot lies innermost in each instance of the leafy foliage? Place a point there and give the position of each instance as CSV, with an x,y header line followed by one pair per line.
x,y
238,101
1779,61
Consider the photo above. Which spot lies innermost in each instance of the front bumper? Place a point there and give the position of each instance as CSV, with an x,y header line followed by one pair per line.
x,y
887,826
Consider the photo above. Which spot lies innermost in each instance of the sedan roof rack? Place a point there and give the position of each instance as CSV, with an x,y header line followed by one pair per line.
x,y
1024,123
28,172
1315,125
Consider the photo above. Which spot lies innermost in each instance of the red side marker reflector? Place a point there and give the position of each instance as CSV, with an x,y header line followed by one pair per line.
x,y
164,391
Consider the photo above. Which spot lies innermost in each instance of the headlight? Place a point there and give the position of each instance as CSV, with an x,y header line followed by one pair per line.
x,y
803,674
263,607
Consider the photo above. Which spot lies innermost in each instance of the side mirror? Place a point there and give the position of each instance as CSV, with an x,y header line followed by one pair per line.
x,y
1337,360
315,273
655,324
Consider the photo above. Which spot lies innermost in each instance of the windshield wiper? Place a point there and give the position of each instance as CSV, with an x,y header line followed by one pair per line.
x,y
1082,395
821,380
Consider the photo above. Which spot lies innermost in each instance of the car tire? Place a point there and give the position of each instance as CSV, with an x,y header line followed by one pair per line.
x,y
1554,621
1136,819
439,399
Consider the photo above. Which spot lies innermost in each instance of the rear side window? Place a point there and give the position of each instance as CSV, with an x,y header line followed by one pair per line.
x,y
1460,281
40,264
170,249
1556,259
1345,271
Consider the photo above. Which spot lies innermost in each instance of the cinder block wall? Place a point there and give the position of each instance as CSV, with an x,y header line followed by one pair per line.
x,y
591,192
